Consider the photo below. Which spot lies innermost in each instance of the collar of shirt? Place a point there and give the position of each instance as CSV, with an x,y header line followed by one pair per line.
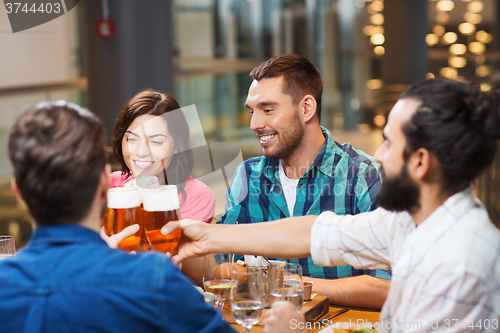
x,y
64,233
439,222
324,161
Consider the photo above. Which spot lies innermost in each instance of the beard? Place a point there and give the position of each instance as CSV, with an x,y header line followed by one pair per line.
x,y
399,193
289,140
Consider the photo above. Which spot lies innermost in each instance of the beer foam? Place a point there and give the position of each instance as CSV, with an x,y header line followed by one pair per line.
x,y
162,200
123,197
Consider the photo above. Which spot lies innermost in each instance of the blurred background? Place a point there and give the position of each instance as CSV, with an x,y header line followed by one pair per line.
x,y
102,52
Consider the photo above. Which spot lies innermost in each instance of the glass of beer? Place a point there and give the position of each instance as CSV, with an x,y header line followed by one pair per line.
x,y
124,209
160,207
217,276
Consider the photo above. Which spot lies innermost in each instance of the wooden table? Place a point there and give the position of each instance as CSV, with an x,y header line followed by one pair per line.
x,y
353,315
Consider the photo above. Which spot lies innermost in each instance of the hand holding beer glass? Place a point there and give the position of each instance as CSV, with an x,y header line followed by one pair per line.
x,y
124,209
160,207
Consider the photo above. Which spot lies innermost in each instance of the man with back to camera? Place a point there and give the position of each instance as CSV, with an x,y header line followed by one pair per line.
x,y
67,278
304,172
438,240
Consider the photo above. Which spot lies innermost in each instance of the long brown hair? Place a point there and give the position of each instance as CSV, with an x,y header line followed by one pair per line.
x,y
155,103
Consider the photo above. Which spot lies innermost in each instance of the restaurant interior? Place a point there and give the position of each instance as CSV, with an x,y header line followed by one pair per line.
x,y
98,54
201,51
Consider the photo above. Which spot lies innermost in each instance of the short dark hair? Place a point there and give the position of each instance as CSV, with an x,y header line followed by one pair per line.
x,y
300,77
152,102
58,153
458,123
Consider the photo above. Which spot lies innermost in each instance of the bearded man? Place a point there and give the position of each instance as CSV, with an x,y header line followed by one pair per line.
x,y
304,172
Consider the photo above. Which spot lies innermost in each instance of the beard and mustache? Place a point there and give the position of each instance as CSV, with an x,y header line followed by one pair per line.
x,y
398,193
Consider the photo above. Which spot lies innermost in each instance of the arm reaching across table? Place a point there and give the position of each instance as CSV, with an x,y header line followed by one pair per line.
x,y
287,238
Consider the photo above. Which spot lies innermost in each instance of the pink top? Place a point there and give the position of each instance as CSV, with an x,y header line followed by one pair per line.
x,y
199,204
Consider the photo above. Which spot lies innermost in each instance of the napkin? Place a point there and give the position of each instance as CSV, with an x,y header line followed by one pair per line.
x,y
255,261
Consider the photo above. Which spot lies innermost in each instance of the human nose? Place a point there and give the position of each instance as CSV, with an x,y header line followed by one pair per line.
x,y
142,149
257,123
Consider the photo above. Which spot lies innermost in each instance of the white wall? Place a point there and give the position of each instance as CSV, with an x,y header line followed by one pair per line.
x,y
42,54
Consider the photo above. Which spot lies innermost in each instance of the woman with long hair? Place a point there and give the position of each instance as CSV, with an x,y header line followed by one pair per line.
x,y
151,142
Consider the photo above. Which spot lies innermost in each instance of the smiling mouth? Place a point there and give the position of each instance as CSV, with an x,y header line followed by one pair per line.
x,y
143,164
266,138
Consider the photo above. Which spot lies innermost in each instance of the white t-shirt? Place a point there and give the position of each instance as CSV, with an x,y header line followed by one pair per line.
x,y
289,188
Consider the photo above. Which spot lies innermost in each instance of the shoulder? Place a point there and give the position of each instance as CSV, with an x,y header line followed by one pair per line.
x,y
355,156
473,243
360,164
253,167
195,186
255,163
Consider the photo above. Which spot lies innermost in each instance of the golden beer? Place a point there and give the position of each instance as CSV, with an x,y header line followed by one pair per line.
x,y
160,207
124,209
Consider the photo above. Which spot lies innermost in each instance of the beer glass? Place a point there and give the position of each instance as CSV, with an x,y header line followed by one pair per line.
x,y
7,247
160,207
124,209
217,276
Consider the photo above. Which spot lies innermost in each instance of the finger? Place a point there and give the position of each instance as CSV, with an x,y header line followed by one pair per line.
x,y
102,233
170,227
177,259
127,232
114,240
177,225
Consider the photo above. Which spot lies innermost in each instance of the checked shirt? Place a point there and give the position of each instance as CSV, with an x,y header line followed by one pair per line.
x,y
341,179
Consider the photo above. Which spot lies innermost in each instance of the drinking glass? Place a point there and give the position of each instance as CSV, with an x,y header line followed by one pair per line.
x,y
160,207
217,276
7,247
247,297
292,289
124,209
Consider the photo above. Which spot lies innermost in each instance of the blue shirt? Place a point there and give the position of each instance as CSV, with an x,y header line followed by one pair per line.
x,y
68,280
341,179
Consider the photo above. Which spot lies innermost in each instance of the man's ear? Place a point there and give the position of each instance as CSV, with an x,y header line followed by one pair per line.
x,y
420,164
104,181
15,189
308,106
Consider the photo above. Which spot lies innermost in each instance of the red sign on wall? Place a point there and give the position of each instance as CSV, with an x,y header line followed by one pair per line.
x,y
105,28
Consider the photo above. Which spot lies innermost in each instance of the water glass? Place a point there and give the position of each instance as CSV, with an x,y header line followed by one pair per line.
x,y
7,247
247,297
292,289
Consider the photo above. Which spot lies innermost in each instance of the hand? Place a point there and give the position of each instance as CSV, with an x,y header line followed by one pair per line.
x,y
114,240
282,317
194,240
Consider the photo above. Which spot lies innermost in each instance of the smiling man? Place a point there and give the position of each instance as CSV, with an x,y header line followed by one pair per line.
x,y
303,172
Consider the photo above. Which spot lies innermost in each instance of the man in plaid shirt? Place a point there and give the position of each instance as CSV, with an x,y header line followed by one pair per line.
x,y
304,172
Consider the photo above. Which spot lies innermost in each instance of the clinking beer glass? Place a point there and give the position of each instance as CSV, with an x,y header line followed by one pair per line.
x,y
124,209
160,207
